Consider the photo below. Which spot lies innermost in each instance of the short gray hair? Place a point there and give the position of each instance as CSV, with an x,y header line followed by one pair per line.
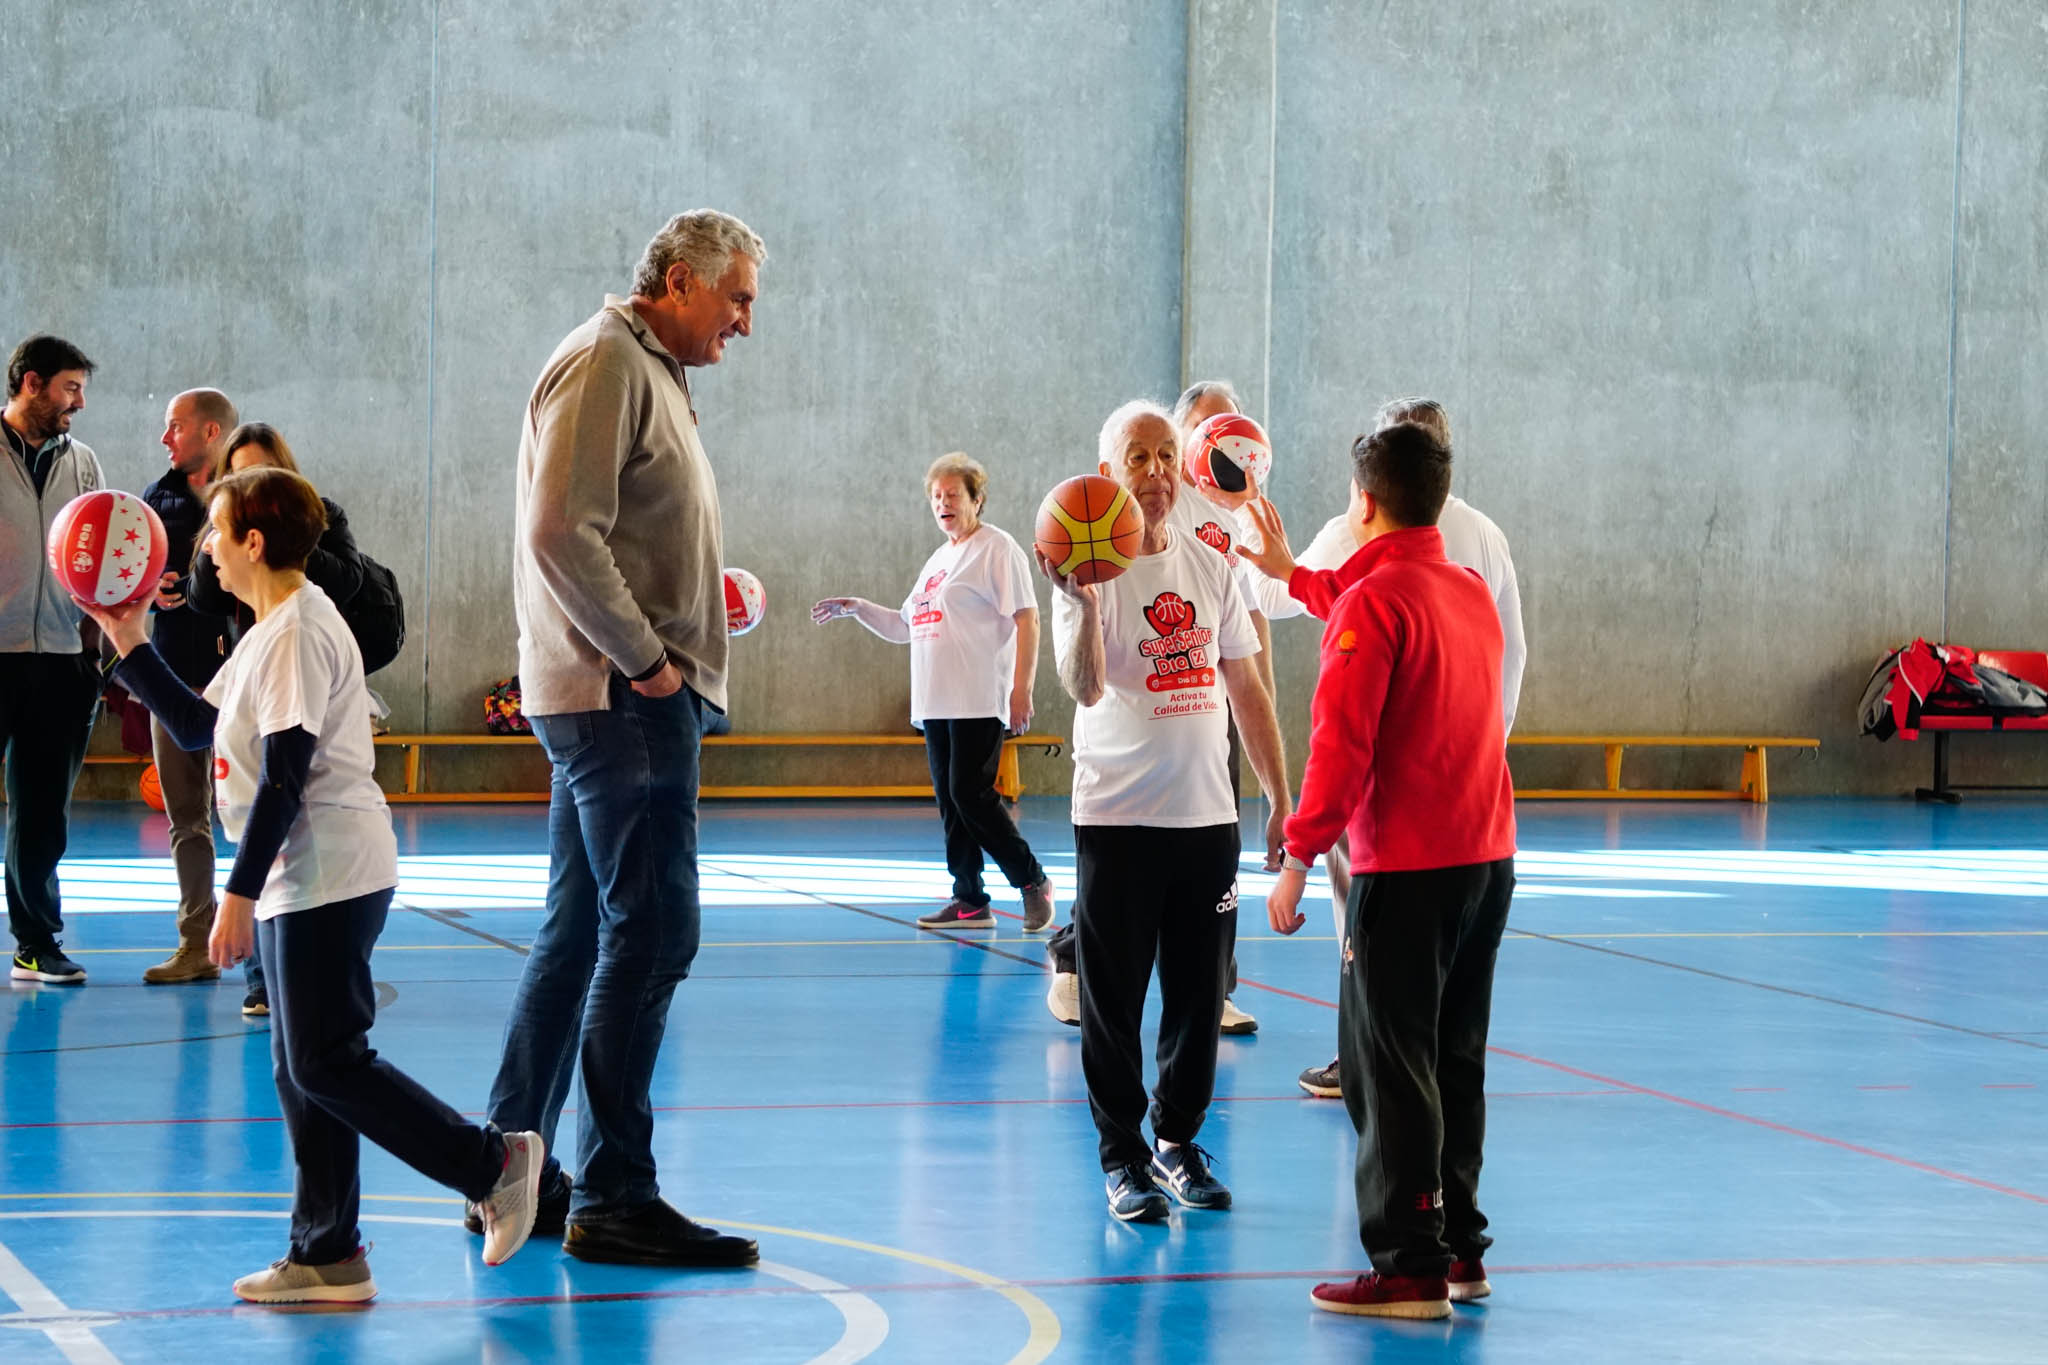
x,y
1109,446
1198,391
1426,413
705,240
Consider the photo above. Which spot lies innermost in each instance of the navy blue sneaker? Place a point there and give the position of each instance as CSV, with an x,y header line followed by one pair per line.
x,y
1184,1171
48,965
1134,1196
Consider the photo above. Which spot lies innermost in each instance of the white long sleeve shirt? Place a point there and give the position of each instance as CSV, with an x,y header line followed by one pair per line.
x,y
1471,539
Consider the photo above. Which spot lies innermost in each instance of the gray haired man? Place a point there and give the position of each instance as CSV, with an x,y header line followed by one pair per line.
x,y
622,652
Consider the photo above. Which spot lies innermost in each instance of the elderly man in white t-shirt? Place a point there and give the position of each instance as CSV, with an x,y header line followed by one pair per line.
x,y
1470,539
1153,657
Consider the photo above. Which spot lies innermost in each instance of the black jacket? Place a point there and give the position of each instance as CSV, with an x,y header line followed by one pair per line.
x,y
193,642
335,566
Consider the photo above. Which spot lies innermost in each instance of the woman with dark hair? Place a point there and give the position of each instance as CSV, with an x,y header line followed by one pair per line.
x,y
334,565
315,866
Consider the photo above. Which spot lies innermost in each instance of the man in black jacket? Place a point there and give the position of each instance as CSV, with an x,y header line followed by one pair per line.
x,y
194,643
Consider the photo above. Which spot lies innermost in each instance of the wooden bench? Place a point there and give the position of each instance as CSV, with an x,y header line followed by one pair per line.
x,y
2030,665
1756,785
1009,781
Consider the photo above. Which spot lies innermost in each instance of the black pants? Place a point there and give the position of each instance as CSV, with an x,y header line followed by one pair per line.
x,y
963,755
1059,946
47,706
1152,895
1413,1008
332,1085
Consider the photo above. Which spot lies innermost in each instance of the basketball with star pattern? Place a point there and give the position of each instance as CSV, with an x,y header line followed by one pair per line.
x,y
108,548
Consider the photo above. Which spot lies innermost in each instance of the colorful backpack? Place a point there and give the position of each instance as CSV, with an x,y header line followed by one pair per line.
x,y
502,712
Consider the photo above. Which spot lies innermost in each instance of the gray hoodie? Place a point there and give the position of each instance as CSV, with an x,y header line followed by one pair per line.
x,y
36,615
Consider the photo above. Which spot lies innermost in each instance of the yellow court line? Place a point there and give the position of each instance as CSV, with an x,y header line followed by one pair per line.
x,y
1044,1337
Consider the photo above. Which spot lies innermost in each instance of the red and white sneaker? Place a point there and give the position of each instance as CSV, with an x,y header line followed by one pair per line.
x,y
1468,1281
1374,1295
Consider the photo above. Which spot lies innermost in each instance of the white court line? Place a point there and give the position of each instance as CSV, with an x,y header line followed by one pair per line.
x,y
33,1297
866,1326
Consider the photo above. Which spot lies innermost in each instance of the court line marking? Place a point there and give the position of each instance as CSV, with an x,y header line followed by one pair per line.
x,y
799,1106
1781,990
65,1329
1043,1339
864,1324
1705,1108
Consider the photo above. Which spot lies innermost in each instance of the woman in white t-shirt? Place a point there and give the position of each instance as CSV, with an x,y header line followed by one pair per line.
x,y
971,621
315,865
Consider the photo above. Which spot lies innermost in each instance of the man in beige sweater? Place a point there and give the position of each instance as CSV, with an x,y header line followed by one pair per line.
x,y
622,652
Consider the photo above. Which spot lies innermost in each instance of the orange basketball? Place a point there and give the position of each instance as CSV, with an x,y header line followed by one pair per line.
x,y
1089,528
152,788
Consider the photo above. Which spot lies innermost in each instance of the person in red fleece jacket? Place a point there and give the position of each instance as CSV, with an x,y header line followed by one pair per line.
x,y
1406,748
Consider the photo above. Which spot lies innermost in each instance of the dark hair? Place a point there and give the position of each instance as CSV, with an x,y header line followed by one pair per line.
x,y
280,504
1407,471
1199,390
264,437
46,357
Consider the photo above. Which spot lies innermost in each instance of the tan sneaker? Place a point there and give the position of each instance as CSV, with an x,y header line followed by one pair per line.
x,y
189,963
1236,1022
1038,907
1063,998
286,1281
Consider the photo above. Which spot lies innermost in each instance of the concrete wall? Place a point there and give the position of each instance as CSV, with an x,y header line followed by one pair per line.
x,y
1686,276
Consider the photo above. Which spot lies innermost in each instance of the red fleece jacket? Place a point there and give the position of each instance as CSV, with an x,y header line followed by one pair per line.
x,y
1405,740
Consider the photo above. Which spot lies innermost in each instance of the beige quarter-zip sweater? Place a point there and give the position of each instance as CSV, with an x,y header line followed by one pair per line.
x,y
616,561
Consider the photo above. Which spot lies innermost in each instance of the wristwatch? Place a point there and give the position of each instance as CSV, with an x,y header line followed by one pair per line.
x,y
1292,863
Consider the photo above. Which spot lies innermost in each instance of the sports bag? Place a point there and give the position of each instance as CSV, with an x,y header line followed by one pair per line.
x,y
1921,679
376,616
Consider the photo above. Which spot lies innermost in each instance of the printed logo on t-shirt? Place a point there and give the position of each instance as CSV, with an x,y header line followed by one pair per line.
x,y
1213,535
1180,656
220,769
924,610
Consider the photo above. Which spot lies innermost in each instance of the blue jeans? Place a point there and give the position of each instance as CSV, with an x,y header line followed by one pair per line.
x,y
621,930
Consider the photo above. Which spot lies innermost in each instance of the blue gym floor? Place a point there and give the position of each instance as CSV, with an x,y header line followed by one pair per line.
x,y
1767,1084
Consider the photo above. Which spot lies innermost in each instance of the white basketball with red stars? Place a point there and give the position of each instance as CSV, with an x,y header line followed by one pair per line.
x,y
745,601
1228,452
108,548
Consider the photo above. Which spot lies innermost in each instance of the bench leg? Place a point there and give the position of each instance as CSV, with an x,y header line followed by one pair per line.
x,y
1940,791
1756,777
1614,767
1009,781
412,768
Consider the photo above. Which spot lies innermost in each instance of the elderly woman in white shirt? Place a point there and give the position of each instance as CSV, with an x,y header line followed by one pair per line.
x,y
288,719
971,621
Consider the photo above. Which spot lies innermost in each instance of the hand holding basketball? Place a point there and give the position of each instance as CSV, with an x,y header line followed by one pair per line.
x,y
125,625
1088,530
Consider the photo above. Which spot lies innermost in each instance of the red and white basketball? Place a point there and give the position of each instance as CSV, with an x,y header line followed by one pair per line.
x,y
108,548
745,601
1228,452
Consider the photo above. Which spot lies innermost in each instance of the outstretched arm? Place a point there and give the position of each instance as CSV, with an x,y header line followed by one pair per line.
x,y
883,621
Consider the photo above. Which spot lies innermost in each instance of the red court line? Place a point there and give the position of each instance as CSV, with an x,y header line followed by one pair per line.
x,y
1734,1114
1296,1098
758,1290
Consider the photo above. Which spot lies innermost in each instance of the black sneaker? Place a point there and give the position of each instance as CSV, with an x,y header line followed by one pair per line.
x,y
959,914
1134,1195
48,965
1184,1172
657,1235
551,1213
256,1004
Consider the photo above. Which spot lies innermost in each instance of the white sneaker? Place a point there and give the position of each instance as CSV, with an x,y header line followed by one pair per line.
x,y
1064,999
508,1213
1235,1020
286,1281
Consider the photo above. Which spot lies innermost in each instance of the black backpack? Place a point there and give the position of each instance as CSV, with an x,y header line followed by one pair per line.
x,y
376,616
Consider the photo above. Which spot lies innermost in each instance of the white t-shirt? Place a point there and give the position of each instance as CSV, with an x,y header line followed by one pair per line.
x,y
962,614
1222,532
300,666
1155,749
1471,539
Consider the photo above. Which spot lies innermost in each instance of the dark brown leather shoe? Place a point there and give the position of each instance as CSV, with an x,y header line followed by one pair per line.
x,y
657,1235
